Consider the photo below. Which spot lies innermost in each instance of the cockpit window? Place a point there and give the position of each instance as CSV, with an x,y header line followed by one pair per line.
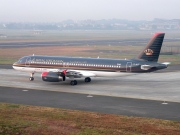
x,y
22,60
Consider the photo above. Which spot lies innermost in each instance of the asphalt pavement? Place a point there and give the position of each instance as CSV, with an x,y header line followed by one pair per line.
x,y
92,103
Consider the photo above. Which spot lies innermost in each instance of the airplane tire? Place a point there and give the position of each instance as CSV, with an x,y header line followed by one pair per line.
x,y
31,78
74,82
87,79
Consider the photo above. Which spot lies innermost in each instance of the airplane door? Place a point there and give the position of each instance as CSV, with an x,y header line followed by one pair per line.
x,y
28,60
128,66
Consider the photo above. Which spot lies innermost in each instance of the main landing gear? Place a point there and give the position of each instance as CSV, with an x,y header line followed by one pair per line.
x,y
74,82
31,78
87,79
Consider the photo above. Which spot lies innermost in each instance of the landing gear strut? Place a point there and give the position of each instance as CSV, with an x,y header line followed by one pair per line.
x,y
73,82
31,78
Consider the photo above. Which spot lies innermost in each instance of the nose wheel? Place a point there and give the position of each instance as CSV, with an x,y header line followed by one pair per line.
x,y
31,78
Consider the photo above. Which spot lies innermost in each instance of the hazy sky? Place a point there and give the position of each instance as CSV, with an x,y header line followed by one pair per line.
x,y
58,10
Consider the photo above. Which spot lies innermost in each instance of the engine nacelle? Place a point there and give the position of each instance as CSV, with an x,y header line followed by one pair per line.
x,y
52,77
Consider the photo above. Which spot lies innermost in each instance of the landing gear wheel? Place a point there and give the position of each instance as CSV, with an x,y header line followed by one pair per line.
x,y
87,79
31,78
74,82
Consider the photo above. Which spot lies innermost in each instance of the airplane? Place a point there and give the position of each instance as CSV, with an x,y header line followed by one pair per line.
x,y
59,68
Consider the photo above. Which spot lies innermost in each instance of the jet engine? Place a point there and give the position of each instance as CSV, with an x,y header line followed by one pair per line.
x,y
52,77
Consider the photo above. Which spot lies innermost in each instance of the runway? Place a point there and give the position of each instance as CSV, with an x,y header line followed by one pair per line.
x,y
137,95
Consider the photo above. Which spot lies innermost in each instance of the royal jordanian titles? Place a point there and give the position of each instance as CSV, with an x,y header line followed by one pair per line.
x,y
59,68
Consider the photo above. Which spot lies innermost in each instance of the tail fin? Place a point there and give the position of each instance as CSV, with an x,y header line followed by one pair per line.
x,y
153,48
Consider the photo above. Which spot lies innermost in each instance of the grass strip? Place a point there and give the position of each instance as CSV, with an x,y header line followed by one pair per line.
x,y
30,120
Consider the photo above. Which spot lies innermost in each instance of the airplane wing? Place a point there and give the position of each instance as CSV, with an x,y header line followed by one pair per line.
x,y
78,74
72,73
54,76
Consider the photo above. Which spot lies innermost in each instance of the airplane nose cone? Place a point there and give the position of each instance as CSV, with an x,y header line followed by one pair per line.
x,y
14,65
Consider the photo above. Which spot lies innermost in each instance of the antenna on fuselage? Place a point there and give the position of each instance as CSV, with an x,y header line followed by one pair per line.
x,y
33,54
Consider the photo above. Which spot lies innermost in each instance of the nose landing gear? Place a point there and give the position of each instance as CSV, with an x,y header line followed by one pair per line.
x,y
31,78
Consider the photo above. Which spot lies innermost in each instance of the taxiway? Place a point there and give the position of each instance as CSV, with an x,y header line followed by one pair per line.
x,y
152,86
154,95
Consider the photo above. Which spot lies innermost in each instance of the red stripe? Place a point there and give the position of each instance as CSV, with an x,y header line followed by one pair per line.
x,y
157,34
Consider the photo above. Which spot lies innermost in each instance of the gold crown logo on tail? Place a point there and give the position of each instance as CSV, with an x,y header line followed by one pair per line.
x,y
148,52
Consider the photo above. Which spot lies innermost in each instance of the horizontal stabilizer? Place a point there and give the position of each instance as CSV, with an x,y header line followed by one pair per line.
x,y
146,67
166,63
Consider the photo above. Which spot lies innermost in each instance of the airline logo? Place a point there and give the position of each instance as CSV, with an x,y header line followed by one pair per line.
x,y
148,52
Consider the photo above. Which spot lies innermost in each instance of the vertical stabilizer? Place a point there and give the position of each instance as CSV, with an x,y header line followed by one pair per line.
x,y
152,50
